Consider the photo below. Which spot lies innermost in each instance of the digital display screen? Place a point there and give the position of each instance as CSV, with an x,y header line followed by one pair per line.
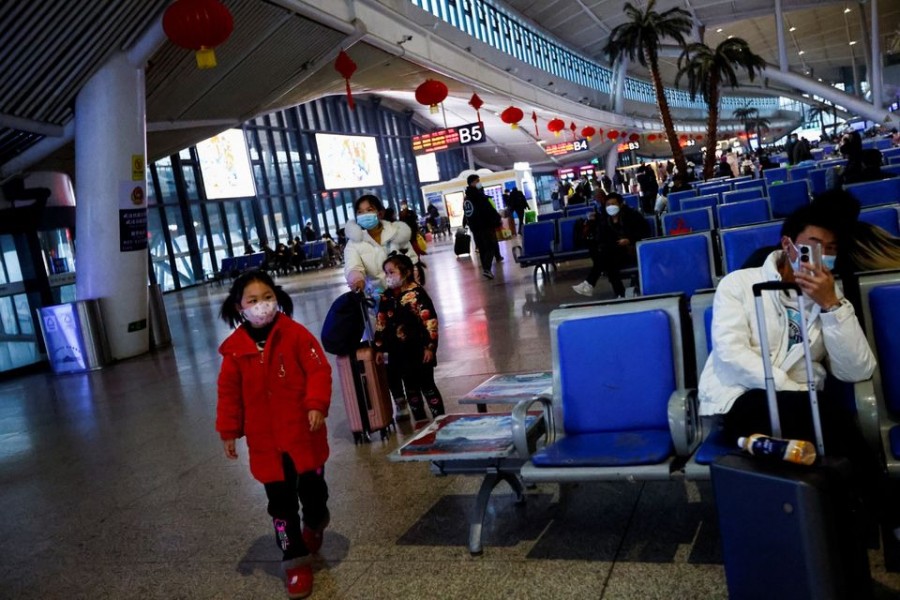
x,y
449,138
225,166
427,166
566,147
348,161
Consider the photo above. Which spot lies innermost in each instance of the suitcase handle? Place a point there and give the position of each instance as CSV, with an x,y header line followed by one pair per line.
x,y
766,286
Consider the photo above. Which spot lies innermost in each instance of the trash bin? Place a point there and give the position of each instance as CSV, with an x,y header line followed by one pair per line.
x,y
160,334
74,336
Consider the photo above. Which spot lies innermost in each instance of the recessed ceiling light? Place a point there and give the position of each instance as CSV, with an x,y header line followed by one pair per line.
x,y
719,30
730,36
802,52
792,29
853,43
846,10
820,79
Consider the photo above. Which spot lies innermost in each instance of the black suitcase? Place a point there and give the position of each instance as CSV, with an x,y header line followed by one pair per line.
x,y
790,531
463,243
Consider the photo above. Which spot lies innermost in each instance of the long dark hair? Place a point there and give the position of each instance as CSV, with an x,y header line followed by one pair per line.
x,y
230,311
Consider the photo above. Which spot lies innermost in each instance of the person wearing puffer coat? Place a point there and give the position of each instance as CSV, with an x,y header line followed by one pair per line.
x,y
370,240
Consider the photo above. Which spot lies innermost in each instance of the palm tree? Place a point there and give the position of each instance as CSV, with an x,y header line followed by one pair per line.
x,y
639,38
706,69
745,114
818,112
757,125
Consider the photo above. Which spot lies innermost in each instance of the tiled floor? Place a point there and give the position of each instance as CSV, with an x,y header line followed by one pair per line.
x,y
114,485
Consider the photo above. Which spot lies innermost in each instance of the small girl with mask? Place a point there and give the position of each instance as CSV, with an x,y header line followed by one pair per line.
x,y
406,327
275,388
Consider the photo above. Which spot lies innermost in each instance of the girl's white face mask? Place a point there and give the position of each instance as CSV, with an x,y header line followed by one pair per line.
x,y
261,313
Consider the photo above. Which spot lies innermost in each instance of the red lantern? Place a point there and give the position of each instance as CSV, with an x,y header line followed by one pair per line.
x,y
431,93
346,67
588,132
651,137
476,103
511,116
634,137
198,25
699,137
556,125
682,138
534,118
613,135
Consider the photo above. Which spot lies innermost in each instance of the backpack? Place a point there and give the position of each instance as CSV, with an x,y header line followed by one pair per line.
x,y
343,327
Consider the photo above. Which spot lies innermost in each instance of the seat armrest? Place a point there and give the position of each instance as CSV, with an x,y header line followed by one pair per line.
x,y
867,413
517,252
519,429
684,421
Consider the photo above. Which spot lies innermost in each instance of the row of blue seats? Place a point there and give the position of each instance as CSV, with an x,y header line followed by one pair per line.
x,y
608,420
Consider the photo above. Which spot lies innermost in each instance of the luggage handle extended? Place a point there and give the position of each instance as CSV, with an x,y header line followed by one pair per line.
x,y
774,418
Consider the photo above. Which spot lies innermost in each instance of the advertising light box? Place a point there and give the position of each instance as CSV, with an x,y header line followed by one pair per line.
x,y
225,166
348,161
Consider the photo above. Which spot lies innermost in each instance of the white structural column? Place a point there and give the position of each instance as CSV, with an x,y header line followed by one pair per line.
x,y
618,106
875,74
111,213
779,33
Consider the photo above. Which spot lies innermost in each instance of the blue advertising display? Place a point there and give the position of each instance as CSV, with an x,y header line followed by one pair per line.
x,y
63,337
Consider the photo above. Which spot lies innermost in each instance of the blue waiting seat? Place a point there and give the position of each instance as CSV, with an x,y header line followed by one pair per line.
x,y
886,217
890,153
536,250
799,173
785,198
893,169
681,263
818,181
738,243
878,400
315,254
704,201
873,193
565,244
744,213
741,195
550,216
751,184
777,174
687,221
675,198
607,420
632,200
714,190
653,224
579,210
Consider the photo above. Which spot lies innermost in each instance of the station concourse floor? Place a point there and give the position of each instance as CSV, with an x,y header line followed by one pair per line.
x,y
114,485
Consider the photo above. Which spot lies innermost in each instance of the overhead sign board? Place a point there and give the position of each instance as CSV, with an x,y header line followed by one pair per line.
x,y
448,139
566,147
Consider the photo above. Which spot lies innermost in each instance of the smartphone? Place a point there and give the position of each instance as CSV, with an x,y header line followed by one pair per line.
x,y
810,256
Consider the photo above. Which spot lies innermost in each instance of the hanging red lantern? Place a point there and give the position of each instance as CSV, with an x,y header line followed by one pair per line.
x,y
511,116
534,118
476,103
651,137
346,67
588,132
431,93
556,125
198,25
682,138
613,135
634,137
699,137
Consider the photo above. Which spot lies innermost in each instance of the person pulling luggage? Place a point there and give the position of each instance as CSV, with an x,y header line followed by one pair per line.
x,y
406,328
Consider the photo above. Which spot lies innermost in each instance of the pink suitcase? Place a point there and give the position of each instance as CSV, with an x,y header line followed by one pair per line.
x,y
367,397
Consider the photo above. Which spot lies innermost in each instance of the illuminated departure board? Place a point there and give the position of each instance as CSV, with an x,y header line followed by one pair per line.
x,y
566,147
449,138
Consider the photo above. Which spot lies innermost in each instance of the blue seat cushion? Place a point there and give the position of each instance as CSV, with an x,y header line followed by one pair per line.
x,y
894,437
613,449
714,446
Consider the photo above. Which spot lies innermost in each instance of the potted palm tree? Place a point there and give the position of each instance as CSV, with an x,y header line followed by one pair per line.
x,y
706,69
745,115
639,38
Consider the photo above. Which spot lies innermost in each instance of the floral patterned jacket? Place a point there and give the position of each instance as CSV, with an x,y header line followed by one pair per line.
x,y
406,322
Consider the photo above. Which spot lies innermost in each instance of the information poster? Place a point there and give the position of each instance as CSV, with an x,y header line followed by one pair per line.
x,y
132,217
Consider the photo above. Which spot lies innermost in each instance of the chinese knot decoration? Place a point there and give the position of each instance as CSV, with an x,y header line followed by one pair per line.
x,y
346,67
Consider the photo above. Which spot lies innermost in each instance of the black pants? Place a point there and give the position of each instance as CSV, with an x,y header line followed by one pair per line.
x,y
285,498
488,247
610,260
520,215
411,379
648,204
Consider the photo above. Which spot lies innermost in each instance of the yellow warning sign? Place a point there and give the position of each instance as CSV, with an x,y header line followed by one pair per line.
x,y
138,167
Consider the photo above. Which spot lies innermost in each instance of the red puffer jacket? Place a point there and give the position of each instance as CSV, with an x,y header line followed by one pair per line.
x,y
267,396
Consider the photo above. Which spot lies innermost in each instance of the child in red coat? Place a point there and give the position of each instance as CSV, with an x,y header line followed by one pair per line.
x,y
275,388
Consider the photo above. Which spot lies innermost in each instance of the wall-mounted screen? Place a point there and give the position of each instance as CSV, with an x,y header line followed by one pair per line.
x,y
348,161
226,166
427,166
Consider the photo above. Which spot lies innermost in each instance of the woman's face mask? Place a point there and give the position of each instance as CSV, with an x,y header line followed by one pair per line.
x,y
612,209
262,313
367,220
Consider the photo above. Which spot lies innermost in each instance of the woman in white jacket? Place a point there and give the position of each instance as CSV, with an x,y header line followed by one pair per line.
x,y
370,240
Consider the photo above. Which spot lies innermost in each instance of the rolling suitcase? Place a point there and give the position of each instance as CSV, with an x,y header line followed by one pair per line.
x,y
463,243
789,531
364,384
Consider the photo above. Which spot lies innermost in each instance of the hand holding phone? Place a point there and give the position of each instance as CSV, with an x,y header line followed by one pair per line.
x,y
810,256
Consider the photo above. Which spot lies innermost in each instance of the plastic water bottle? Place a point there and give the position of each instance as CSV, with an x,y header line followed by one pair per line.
x,y
795,451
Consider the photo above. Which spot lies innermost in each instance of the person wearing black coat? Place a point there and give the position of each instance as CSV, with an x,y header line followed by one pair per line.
x,y
517,205
482,219
612,244
646,178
